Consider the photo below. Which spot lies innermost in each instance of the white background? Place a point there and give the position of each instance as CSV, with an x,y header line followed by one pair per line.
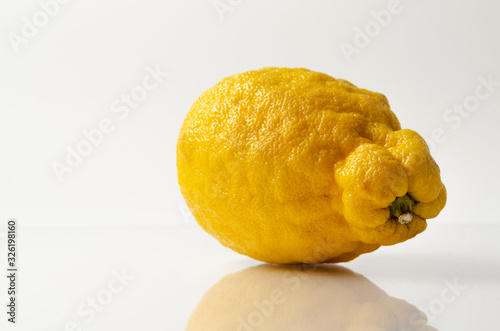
x,y
121,207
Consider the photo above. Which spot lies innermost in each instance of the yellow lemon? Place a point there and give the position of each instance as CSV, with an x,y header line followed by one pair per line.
x,y
294,166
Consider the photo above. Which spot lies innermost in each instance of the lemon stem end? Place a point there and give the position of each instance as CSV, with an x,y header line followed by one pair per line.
x,y
401,209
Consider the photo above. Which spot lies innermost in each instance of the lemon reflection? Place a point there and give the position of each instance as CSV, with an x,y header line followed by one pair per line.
x,y
305,298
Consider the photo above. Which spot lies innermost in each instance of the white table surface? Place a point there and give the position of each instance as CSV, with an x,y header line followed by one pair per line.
x,y
168,269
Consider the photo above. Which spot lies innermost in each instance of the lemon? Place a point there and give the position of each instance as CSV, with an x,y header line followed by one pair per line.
x,y
294,166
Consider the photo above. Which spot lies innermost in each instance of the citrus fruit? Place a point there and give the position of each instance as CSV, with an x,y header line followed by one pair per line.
x,y
294,166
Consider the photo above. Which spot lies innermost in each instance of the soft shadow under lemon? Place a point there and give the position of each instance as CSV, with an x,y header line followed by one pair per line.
x,y
305,298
